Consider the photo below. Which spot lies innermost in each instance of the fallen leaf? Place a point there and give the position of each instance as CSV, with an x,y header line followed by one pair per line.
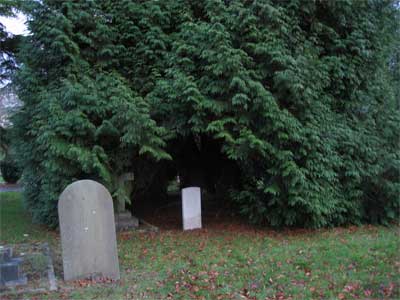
x,y
368,293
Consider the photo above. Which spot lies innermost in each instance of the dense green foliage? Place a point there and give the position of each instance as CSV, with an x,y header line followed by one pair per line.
x,y
289,105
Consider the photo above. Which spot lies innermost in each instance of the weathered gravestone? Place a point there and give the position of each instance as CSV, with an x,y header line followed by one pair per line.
x,y
88,238
10,268
26,268
191,208
123,218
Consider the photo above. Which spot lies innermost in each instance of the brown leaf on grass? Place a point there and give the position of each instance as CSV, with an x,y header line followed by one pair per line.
x,y
125,236
254,286
160,284
298,282
246,295
201,246
368,293
279,296
195,288
388,290
201,273
177,287
270,280
351,266
351,287
213,274
64,295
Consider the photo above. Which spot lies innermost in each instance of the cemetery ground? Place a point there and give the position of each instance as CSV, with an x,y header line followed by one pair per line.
x,y
227,260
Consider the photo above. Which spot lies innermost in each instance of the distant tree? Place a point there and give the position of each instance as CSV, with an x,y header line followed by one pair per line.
x,y
8,100
8,42
9,103
288,105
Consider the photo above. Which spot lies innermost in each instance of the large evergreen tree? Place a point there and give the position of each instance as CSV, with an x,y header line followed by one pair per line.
x,y
289,105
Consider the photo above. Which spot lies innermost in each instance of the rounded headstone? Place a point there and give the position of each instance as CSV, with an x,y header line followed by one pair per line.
x,y
88,239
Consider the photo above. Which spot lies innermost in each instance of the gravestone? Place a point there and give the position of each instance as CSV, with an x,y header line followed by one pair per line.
x,y
26,268
123,218
191,208
88,239
10,268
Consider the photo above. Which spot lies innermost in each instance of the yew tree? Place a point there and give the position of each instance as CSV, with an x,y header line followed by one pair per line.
x,y
289,110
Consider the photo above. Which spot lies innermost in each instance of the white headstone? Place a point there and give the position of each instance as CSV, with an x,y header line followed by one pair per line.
x,y
191,208
88,239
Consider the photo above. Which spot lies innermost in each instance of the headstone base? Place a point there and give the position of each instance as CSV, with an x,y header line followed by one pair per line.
x,y
22,280
125,221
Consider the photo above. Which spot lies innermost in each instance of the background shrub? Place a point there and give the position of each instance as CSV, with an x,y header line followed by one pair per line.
x,y
10,172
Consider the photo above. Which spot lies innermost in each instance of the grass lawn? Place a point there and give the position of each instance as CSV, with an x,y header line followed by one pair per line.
x,y
229,260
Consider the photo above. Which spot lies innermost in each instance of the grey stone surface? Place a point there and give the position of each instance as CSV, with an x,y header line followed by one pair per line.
x,y
125,220
191,208
11,274
5,254
125,185
50,268
87,227
10,269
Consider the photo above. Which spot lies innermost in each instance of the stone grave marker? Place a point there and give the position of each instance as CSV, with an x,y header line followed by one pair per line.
x,y
10,268
191,208
123,218
26,268
88,238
